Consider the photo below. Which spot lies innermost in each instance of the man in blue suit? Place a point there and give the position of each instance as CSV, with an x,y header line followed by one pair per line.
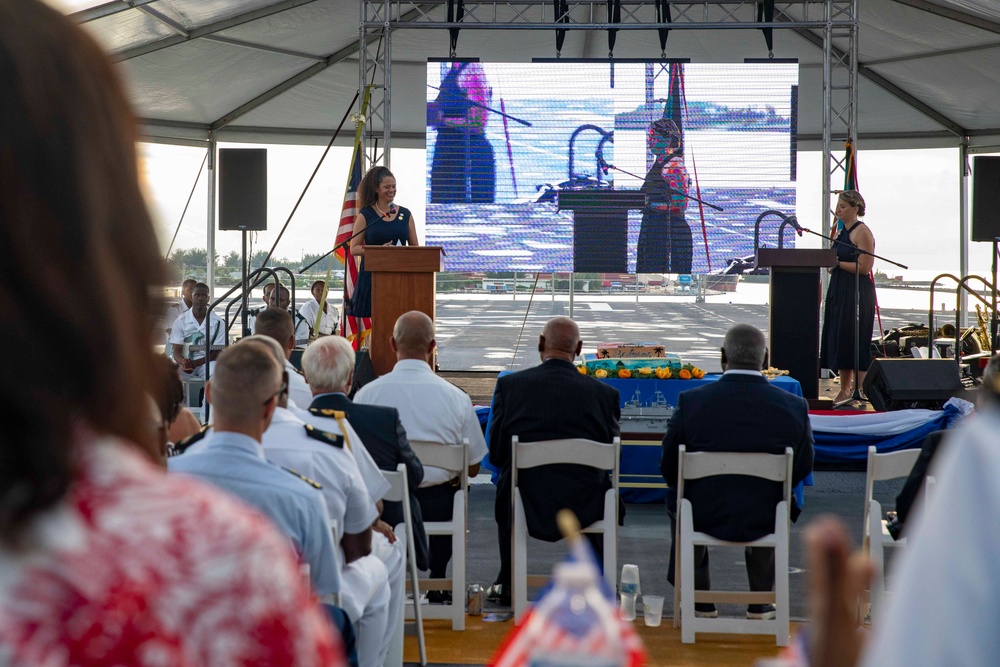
x,y
742,412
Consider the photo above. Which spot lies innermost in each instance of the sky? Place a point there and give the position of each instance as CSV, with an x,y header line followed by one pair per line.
x,y
912,199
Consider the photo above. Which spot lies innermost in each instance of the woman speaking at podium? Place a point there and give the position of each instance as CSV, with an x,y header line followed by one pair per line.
x,y
837,347
383,223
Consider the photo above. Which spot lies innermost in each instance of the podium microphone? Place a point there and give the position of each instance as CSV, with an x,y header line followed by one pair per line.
x,y
794,222
392,208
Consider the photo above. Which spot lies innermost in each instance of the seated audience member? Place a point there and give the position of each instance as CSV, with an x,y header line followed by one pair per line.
x,y
329,365
915,481
279,300
943,609
182,306
323,457
742,412
104,559
277,324
243,393
181,422
189,330
549,402
432,409
310,309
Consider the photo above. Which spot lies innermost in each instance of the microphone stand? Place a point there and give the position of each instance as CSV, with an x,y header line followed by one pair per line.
x,y
605,167
856,396
343,244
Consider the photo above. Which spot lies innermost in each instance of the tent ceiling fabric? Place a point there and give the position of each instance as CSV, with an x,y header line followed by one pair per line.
x,y
951,65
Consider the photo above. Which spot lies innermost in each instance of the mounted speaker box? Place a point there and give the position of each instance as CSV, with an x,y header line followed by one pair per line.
x,y
901,384
243,189
986,198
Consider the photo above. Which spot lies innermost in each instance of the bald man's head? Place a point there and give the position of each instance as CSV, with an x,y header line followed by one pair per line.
x,y
560,339
413,336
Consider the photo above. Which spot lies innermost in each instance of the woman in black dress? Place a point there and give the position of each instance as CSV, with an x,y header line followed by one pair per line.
x,y
838,343
383,223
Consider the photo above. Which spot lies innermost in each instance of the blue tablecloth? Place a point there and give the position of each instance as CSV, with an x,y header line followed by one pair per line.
x,y
639,474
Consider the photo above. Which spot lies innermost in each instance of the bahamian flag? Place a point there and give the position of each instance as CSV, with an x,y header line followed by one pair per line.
x,y
850,175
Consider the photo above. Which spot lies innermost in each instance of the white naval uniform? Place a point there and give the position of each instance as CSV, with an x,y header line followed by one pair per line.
x,y
327,324
430,408
187,329
365,594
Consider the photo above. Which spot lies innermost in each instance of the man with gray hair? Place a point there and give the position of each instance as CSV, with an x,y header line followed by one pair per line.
x,y
742,412
329,364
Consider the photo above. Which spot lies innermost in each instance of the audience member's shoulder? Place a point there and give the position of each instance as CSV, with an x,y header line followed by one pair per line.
x,y
324,437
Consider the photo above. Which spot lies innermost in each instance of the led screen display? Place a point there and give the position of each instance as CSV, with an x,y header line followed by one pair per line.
x,y
628,167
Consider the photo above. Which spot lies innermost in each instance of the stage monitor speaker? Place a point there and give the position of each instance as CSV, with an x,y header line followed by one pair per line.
x,y
364,371
986,198
243,189
900,384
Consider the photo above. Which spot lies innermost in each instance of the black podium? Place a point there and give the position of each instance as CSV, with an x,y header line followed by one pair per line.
x,y
796,294
600,227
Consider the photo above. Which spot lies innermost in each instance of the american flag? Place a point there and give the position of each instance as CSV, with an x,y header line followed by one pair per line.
x,y
355,329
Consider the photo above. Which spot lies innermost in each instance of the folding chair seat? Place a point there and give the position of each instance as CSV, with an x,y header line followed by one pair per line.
x,y
699,465
449,457
400,493
524,455
882,467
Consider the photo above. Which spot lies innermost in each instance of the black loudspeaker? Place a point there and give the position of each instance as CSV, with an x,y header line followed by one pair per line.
x,y
243,189
364,371
900,384
986,198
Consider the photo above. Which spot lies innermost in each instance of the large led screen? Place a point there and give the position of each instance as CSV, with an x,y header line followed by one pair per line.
x,y
629,167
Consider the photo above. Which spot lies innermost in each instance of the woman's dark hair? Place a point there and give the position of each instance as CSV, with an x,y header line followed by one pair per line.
x,y
78,260
368,190
169,391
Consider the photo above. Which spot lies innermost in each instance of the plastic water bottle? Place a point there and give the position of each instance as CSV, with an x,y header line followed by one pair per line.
x,y
575,625
629,589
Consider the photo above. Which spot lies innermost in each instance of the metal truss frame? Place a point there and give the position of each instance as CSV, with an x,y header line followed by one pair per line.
x,y
837,21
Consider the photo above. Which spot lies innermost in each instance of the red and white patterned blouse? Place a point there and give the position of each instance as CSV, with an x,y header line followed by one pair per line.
x,y
138,568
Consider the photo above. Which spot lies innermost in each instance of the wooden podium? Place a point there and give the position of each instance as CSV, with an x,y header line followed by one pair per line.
x,y
600,227
796,294
402,280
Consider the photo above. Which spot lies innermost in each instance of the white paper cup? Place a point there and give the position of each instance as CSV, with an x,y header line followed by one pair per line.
x,y
652,610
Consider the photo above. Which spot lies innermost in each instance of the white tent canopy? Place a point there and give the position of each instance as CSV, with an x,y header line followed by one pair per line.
x,y
284,72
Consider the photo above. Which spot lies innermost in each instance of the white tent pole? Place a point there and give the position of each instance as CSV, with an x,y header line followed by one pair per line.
x,y
963,222
211,213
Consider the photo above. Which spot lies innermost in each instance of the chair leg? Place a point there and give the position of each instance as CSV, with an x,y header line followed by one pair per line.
x,y
519,574
687,573
458,564
782,632
610,537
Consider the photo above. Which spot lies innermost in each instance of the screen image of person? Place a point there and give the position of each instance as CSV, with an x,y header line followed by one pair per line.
x,y
838,342
665,244
464,167
383,223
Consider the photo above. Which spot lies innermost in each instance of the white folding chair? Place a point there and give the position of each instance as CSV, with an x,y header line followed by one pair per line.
x,y
524,455
400,493
882,467
449,457
698,465
335,598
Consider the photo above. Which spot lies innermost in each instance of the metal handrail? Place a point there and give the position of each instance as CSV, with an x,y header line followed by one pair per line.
x,y
960,285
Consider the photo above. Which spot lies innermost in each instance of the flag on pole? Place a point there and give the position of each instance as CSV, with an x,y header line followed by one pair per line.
x,y
355,329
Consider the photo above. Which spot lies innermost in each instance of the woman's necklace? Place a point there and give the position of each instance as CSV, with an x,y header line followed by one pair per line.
x,y
383,213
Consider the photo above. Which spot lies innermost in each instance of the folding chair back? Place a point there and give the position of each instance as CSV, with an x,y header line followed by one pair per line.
x,y
700,465
399,492
454,458
579,451
882,467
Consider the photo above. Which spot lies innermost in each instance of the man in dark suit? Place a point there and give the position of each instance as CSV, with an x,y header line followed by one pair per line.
x,y
547,402
328,364
742,412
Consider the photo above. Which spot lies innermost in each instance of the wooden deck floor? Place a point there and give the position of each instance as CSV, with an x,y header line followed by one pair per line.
x,y
480,640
